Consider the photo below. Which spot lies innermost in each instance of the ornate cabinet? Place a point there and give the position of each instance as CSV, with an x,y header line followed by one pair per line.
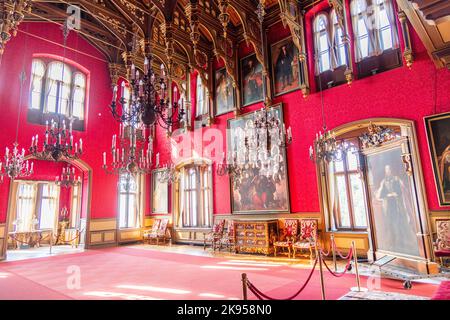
x,y
255,236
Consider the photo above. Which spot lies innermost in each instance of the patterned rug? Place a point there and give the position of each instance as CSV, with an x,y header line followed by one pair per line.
x,y
379,295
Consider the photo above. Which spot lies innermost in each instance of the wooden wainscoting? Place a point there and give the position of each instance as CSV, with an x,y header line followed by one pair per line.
x,y
130,235
3,237
102,232
344,240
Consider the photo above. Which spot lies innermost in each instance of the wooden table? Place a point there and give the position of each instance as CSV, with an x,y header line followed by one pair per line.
x,y
255,236
32,238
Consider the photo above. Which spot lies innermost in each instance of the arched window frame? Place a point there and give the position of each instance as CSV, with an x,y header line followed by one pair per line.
x,y
67,86
323,55
337,38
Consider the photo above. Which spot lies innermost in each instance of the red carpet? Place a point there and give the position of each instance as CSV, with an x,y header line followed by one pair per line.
x,y
132,273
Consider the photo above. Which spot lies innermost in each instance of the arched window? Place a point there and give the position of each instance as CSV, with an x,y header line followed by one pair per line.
x,y
374,27
37,77
202,103
323,43
58,88
338,43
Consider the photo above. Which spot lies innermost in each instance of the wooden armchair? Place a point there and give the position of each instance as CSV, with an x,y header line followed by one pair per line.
x,y
213,237
307,238
442,244
286,240
228,239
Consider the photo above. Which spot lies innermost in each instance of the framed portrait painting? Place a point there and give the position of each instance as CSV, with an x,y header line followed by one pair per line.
x,y
438,132
252,80
225,100
392,198
251,191
160,193
286,69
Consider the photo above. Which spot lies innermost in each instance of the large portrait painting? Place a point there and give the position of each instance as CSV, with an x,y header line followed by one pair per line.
x,y
251,191
286,68
160,193
392,199
225,95
438,131
252,80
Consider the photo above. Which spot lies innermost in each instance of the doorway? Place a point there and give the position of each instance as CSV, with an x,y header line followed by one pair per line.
x,y
48,212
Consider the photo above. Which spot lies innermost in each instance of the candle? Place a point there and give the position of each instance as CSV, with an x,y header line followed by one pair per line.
x,y
157,160
115,93
104,159
32,165
81,145
146,65
32,141
133,68
76,147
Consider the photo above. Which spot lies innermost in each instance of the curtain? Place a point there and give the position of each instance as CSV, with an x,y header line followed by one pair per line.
x,y
333,196
360,9
331,43
26,205
391,14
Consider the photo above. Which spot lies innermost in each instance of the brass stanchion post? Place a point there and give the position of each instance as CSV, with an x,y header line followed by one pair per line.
x,y
358,280
244,286
333,246
322,285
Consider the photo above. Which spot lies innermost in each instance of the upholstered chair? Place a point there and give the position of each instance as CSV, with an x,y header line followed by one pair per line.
x,y
159,231
308,236
213,237
153,231
288,236
228,238
442,245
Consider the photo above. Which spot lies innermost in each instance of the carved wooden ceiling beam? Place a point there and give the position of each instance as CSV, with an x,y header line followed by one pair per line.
x,y
433,10
102,38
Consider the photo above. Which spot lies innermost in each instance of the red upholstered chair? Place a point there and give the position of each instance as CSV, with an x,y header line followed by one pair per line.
x,y
213,237
286,240
308,236
228,238
442,245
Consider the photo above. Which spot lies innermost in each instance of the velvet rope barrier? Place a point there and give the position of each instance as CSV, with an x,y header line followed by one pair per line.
x,y
339,252
261,296
69,241
340,274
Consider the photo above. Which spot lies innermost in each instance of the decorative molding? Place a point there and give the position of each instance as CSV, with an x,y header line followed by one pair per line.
x,y
376,136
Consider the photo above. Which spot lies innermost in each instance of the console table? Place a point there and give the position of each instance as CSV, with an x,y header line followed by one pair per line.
x,y
255,236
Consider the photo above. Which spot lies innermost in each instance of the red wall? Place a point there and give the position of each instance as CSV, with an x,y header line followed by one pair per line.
x,y
99,124
399,93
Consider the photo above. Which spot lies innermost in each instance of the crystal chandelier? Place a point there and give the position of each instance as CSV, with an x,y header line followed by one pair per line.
x,y
58,143
259,145
15,164
68,178
149,101
128,152
12,13
326,147
168,173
